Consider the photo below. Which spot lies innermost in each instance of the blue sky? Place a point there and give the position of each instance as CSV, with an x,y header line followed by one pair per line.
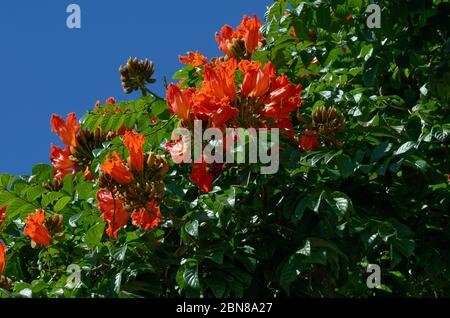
x,y
47,68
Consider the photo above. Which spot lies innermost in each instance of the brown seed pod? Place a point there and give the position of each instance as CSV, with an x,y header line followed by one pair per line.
x,y
151,160
55,223
163,169
328,122
327,118
135,74
5,283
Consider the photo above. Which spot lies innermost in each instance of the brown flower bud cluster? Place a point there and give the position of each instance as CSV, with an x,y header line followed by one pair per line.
x,y
86,142
5,282
55,225
146,186
135,74
328,122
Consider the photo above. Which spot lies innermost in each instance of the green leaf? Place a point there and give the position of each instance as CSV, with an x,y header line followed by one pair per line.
x,y
84,190
191,278
217,285
61,203
192,228
158,107
216,256
340,202
42,172
68,184
94,235
345,166
301,207
6,180
380,151
117,282
289,272
31,193
405,148
305,250
119,253
49,198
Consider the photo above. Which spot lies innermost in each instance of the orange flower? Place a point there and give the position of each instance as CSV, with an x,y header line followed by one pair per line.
x,y
3,214
2,257
61,160
202,177
283,99
308,140
110,101
134,142
294,34
66,130
256,82
195,59
219,81
148,218
36,230
247,31
225,39
217,94
113,212
116,169
180,101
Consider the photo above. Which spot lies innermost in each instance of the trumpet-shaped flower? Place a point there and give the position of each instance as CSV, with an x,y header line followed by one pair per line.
x,y
66,130
256,81
180,101
116,169
36,230
202,177
147,218
113,212
2,257
134,142
195,59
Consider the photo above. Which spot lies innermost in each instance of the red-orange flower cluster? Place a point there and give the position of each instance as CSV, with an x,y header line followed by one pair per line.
x,y
2,257
256,81
115,166
195,59
308,140
3,214
113,212
109,101
66,130
149,217
116,169
61,160
134,142
36,230
202,177
247,31
180,101
133,187
260,99
117,218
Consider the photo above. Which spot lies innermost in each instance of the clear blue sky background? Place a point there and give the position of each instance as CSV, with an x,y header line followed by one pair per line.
x,y
47,68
